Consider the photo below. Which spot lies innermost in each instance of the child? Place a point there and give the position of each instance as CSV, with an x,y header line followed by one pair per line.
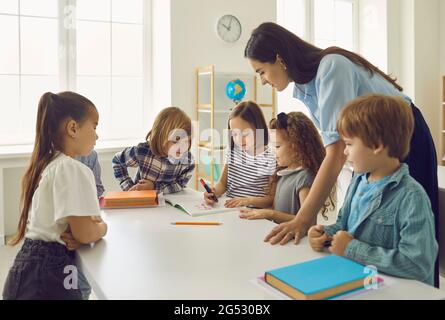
x,y
59,207
164,160
92,162
299,153
386,220
249,164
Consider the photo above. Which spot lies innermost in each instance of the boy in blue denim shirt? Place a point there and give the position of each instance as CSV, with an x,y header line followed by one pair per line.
x,y
386,219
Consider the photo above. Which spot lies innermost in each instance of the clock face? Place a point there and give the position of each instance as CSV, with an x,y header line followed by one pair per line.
x,y
229,28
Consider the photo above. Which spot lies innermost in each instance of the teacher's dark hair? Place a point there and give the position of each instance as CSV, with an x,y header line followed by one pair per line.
x,y
300,57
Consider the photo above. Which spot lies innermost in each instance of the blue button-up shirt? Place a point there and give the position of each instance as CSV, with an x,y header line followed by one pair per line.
x,y
362,199
338,82
395,232
92,162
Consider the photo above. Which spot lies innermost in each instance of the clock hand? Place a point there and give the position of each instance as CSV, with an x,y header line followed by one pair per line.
x,y
228,28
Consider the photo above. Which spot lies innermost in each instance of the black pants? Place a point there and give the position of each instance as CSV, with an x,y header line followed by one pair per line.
x,y
44,271
422,162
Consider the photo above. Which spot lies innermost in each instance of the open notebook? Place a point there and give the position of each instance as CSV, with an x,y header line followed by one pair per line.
x,y
192,202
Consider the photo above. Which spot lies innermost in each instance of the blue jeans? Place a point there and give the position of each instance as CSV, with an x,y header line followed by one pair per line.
x,y
45,271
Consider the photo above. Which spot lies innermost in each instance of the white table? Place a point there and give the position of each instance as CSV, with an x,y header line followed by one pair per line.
x,y
143,256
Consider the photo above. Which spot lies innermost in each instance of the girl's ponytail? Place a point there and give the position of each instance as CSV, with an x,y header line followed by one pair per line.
x,y
52,110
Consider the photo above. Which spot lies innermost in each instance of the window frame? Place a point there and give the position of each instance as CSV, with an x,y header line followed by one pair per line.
x,y
67,73
310,22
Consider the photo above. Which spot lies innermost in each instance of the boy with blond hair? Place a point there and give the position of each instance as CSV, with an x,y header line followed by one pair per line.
x,y
386,220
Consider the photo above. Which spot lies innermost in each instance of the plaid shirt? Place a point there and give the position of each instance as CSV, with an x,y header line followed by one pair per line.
x,y
168,175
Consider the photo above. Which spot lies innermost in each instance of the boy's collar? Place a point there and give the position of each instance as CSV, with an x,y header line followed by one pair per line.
x,y
396,177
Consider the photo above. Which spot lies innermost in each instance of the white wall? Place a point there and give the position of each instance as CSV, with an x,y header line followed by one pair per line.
x,y
161,55
427,61
394,41
195,43
414,47
298,24
373,32
405,53
442,37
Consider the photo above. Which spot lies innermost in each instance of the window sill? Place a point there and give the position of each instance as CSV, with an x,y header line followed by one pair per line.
x,y
24,151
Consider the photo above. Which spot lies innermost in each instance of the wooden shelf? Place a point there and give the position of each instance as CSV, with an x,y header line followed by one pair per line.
x,y
210,100
214,111
204,176
204,106
210,149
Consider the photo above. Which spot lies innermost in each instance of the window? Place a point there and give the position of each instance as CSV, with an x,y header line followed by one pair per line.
x,y
323,23
96,48
110,63
28,64
335,23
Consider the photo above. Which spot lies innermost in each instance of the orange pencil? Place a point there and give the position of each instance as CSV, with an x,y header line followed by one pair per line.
x,y
198,223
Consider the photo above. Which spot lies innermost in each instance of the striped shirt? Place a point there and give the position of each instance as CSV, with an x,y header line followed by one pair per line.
x,y
248,176
169,175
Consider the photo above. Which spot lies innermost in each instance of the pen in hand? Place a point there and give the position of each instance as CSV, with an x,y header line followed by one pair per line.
x,y
208,189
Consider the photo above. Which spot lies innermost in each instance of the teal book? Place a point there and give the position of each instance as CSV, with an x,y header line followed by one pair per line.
x,y
317,279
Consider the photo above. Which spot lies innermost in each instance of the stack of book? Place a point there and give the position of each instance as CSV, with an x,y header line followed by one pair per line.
x,y
129,199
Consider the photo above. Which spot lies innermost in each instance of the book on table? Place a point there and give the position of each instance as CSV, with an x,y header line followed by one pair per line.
x,y
130,199
192,202
322,278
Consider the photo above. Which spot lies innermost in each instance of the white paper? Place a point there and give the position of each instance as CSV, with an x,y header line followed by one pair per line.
x,y
193,203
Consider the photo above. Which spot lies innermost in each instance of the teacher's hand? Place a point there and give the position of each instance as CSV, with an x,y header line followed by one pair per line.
x,y
285,232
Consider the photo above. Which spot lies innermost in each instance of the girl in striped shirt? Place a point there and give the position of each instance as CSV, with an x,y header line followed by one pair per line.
x,y
164,160
249,163
299,152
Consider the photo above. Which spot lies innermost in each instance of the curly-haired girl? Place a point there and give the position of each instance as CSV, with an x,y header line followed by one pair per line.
x,y
299,153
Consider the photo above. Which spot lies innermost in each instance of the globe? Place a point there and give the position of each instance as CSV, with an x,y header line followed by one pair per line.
x,y
235,90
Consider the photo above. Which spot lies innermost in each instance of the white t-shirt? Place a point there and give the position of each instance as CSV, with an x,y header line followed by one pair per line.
x,y
66,188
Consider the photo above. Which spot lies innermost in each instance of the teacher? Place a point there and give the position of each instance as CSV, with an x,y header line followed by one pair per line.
x,y
325,81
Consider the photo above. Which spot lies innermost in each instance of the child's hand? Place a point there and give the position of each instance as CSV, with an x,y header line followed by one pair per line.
x,y
253,214
236,202
143,184
210,197
71,243
317,238
339,242
97,219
